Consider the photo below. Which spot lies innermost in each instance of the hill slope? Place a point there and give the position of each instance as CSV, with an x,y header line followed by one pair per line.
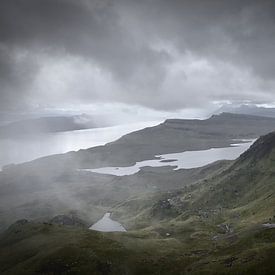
x,y
176,135
171,136
222,225
242,193
53,185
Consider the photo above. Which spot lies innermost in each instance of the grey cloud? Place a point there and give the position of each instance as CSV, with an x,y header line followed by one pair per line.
x,y
139,44
241,32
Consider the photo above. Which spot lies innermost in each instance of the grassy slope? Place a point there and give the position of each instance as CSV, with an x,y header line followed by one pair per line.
x,y
243,193
214,227
225,211
35,248
49,249
35,194
51,185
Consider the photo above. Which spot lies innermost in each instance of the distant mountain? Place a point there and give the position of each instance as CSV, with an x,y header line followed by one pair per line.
x,y
176,135
247,110
171,136
48,125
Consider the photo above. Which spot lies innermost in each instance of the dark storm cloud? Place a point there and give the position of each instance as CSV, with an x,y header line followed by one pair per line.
x,y
156,53
237,31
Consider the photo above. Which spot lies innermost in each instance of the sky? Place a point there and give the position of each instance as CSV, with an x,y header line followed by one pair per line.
x,y
146,56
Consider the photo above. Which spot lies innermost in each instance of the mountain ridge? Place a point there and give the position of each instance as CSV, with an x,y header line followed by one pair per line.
x,y
215,132
248,109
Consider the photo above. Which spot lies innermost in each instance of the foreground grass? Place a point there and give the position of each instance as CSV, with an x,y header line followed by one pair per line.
x,y
35,248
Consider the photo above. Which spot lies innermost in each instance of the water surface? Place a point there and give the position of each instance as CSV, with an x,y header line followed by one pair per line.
x,y
106,224
28,148
182,160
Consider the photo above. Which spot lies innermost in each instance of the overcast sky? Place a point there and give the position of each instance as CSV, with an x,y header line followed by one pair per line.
x,y
152,54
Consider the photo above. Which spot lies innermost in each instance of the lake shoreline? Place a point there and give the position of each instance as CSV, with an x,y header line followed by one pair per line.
x,y
182,160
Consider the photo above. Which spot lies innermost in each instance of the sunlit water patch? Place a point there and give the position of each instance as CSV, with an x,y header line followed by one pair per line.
x,y
106,224
16,150
183,160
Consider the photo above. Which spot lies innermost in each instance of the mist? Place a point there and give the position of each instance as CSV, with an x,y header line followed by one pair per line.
x,y
137,137
28,147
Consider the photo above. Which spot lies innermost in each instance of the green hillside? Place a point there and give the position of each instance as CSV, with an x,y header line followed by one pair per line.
x,y
224,224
